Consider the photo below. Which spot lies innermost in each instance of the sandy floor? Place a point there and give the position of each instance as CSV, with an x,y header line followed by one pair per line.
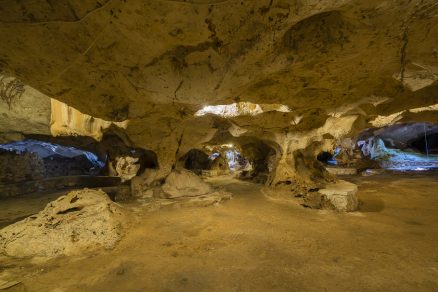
x,y
253,244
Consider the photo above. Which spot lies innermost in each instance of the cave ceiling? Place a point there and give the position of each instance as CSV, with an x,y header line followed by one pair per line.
x,y
157,62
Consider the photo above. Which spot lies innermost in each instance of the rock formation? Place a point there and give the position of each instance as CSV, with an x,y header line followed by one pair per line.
x,y
185,183
296,76
81,221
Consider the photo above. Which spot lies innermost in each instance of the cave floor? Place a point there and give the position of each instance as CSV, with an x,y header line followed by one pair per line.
x,y
254,244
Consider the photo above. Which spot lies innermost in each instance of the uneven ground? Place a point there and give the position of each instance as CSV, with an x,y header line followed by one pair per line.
x,y
253,244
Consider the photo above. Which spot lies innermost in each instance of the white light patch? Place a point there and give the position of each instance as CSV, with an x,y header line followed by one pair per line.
x,y
382,121
425,109
240,109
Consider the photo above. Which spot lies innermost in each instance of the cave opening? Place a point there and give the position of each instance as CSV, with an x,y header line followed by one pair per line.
x,y
261,160
215,160
197,161
327,157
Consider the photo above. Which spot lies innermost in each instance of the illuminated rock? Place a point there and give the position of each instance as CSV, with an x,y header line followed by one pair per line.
x,y
81,221
67,121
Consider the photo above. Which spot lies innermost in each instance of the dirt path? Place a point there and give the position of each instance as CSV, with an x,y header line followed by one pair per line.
x,y
253,244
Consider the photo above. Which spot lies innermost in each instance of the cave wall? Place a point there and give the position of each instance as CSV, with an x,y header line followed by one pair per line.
x,y
20,167
339,66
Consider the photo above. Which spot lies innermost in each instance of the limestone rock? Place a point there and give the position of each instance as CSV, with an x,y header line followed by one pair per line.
x,y
183,183
127,167
68,121
29,115
80,221
342,195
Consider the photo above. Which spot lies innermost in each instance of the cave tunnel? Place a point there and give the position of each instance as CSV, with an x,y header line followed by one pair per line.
x,y
328,157
215,160
261,159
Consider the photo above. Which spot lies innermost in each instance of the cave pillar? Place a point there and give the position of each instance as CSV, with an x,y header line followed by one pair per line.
x,y
297,166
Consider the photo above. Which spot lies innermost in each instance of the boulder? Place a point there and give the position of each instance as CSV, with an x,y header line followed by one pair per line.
x,y
127,167
184,183
80,221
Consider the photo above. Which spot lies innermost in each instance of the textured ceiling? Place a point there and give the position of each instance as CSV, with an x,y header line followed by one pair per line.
x,y
121,59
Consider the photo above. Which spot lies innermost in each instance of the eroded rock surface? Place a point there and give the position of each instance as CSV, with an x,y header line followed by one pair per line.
x,y
127,167
184,183
296,76
81,221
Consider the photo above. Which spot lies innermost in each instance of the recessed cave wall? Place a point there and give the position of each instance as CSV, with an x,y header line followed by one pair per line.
x,y
196,160
326,157
212,164
32,160
262,158
402,147
427,144
15,167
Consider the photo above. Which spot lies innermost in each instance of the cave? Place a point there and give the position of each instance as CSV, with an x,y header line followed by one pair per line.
x,y
402,147
426,145
327,157
215,160
197,161
218,145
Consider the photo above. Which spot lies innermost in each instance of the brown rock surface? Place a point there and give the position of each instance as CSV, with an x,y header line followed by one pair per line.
x,y
80,221
337,67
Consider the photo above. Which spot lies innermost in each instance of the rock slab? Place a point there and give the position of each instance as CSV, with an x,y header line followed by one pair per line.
x,y
342,195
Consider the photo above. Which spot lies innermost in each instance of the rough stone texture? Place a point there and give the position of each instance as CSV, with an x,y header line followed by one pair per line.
x,y
29,115
183,183
16,167
339,66
342,196
127,167
80,221
68,121
189,52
